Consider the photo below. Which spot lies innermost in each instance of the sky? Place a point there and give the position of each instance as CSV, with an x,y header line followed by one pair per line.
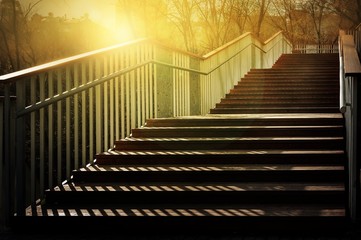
x,y
101,11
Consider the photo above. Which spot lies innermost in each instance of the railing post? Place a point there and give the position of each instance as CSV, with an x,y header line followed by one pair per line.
x,y
6,187
354,173
20,150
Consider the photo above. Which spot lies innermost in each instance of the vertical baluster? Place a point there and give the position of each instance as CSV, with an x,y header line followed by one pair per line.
x,y
76,118
4,193
123,93
138,87
154,91
83,115
116,88
67,122
127,92
142,59
147,76
184,76
59,129
151,75
42,135
111,101
105,106
98,108
33,141
91,111
20,148
188,104
133,93
5,150
174,79
50,130
179,85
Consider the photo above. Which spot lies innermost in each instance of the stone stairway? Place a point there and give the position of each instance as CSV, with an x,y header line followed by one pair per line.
x,y
269,157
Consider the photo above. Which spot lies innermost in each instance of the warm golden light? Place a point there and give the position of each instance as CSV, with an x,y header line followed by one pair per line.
x,y
123,32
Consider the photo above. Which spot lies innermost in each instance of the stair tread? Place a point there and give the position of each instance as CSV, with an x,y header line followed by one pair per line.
x,y
221,139
183,210
210,168
288,107
217,152
256,116
198,187
230,128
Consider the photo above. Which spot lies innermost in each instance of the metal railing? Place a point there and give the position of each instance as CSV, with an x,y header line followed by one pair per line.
x,y
350,73
315,48
68,110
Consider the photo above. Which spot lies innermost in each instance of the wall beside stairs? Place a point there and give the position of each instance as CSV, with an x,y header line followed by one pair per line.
x,y
189,84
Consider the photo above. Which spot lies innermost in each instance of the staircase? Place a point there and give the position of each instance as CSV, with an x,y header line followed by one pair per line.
x,y
270,157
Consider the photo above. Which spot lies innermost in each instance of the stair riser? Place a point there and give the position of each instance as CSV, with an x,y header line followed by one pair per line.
x,y
319,71
285,82
261,82
243,122
289,92
210,176
301,77
235,100
285,88
201,197
191,160
235,104
258,132
230,145
270,110
293,98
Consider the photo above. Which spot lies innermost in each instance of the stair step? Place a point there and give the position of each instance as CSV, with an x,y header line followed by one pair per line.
x,y
276,81
239,131
287,101
306,88
243,210
274,104
201,193
252,110
289,97
221,157
293,78
210,173
249,120
290,92
251,143
183,218
319,70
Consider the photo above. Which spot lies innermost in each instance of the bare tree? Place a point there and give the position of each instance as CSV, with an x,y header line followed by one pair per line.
x,y
182,13
262,11
241,12
216,16
349,10
317,10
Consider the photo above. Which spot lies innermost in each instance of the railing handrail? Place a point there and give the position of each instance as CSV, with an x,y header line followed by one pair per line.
x,y
342,96
350,72
61,62
58,63
81,88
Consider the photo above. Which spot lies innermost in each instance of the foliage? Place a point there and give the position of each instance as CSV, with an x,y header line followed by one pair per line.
x,y
30,39
198,26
